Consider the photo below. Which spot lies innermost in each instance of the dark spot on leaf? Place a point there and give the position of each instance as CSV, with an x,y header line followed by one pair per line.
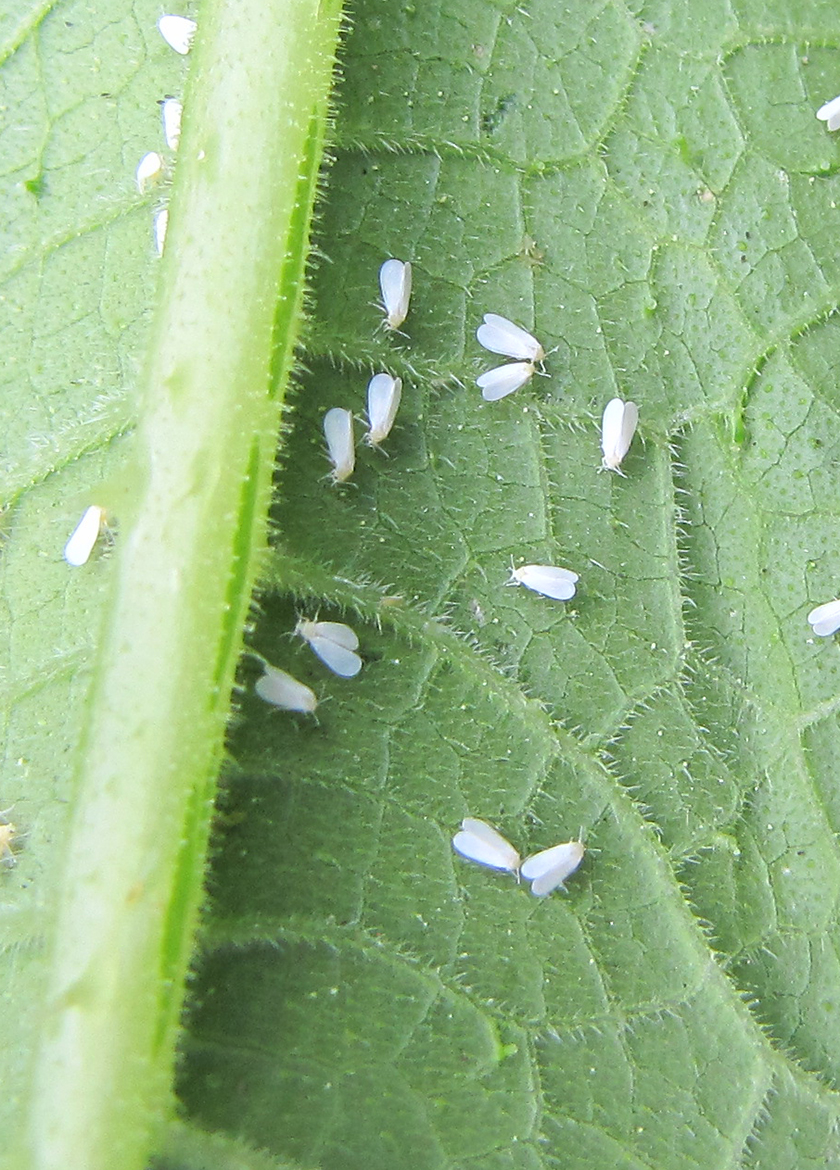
x,y
492,119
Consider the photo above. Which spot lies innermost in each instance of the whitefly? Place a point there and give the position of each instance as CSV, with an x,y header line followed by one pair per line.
x,y
178,32
383,400
284,691
160,224
830,114
395,286
149,170
171,112
500,335
618,426
548,869
503,380
480,842
825,619
84,536
341,447
549,580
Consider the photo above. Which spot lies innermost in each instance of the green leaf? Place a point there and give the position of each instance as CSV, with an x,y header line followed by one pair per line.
x,y
649,191
366,999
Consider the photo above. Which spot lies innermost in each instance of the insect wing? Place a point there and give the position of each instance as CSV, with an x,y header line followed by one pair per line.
x,y
341,660
830,113
478,841
825,619
7,835
617,429
550,868
550,580
395,285
336,632
160,225
628,426
283,691
503,380
338,431
78,548
171,112
148,170
500,335
383,400
178,32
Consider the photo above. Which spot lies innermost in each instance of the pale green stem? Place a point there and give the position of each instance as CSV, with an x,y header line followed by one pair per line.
x,y
255,112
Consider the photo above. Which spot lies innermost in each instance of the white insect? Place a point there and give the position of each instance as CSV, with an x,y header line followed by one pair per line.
x,y
159,226
501,336
549,580
825,619
395,283
550,868
830,113
334,643
283,691
148,170
338,431
503,380
171,111
84,536
480,842
383,400
178,32
618,427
